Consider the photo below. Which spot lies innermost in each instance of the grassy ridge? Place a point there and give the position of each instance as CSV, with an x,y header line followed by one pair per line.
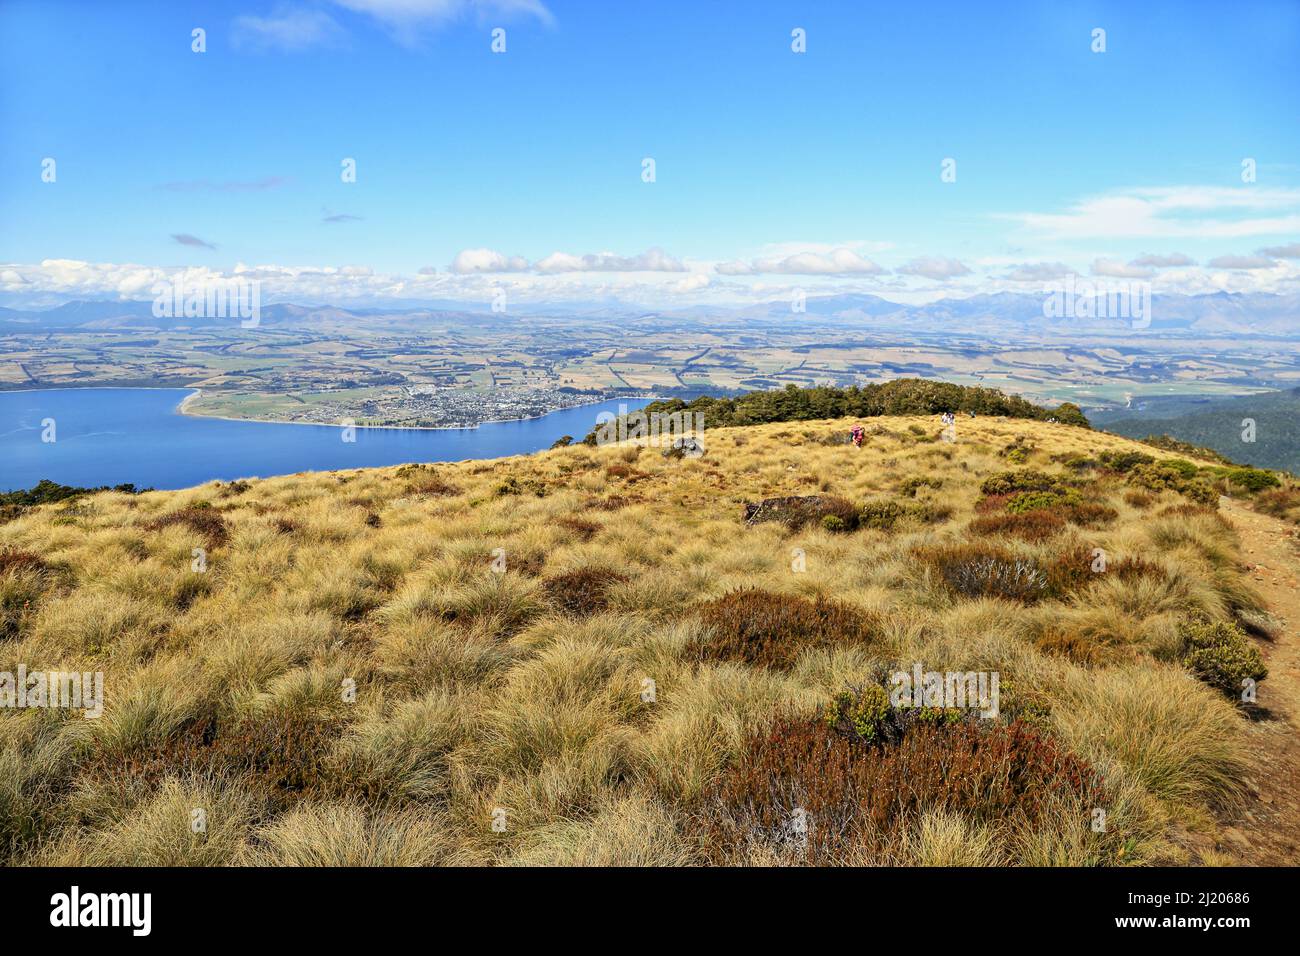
x,y
594,649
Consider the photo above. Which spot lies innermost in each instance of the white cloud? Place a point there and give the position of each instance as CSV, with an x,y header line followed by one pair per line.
x,y
1162,262
1118,270
934,267
1172,212
691,283
486,260
1241,262
836,262
652,260
406,18
1039,272
1291,251
53,281
289,29
489,260
292,28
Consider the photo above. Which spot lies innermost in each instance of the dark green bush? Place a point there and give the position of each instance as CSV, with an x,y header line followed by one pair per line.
x,y
903,396
909,488
1182,466
1125,461
882,515
1253,479
1010,482
513,486
46,492
834,524
1170,476
1221,654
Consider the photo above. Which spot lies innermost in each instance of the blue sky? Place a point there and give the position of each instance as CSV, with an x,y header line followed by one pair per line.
x,y
773,168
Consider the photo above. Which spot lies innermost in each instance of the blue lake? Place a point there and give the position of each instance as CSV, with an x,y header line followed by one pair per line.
x,y
111,436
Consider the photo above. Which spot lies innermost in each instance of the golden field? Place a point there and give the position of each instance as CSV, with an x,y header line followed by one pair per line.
x,y
518,661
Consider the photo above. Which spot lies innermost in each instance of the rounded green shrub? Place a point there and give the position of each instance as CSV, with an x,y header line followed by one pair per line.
x,y
1009,482
1221,654
1253,479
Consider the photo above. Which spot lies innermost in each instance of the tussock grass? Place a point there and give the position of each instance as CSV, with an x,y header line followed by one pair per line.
x,y
161,831
345,835
588,640
1178,739
632,831
943,838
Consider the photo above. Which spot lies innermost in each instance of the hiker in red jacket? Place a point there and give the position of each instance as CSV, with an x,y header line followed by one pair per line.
x,y
857,434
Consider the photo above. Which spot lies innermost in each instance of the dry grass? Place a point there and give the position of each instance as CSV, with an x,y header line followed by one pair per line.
x,y
581,645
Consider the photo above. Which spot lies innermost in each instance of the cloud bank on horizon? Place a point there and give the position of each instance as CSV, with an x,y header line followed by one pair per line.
x,y
447,149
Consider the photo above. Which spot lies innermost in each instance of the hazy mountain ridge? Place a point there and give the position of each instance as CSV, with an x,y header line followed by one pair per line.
x,y
1220,313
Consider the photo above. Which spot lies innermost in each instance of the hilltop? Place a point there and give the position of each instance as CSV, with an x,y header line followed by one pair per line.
x,y
613,655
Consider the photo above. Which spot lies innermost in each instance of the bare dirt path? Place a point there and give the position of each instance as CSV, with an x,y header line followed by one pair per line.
x,y
1267,831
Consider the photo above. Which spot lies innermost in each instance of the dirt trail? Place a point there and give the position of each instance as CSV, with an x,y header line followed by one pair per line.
x,y
1267,831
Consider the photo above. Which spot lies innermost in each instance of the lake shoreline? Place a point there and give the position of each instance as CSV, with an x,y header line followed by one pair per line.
x,y
182,409
137,435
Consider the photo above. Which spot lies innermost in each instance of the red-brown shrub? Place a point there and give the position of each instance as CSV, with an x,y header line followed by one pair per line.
x,y
1090,514
584,591
282,756
768,629
1028,525
1280,502
976,569
1072,570
1137,569
859,798
584,530
1139,499
205,522
14,560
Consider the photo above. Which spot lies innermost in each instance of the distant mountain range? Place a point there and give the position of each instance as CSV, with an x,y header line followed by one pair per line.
x,y
1220,313
1214,315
